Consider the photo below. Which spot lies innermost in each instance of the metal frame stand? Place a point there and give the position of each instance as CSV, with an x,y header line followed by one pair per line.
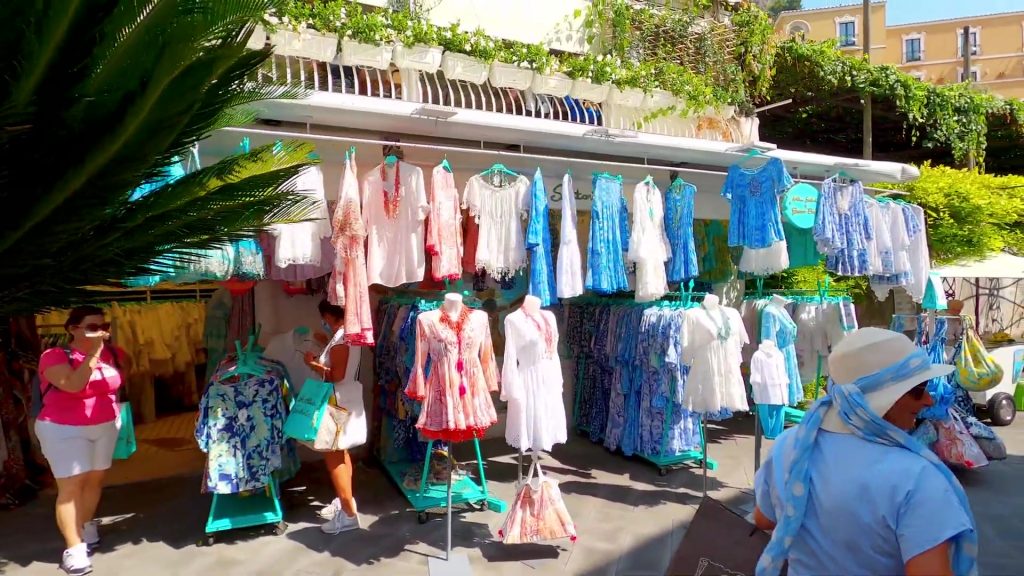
x,y
451,564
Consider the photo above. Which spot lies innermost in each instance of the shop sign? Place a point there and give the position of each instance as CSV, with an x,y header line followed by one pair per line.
x,y
799,205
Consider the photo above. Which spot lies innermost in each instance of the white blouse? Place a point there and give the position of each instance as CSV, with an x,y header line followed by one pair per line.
x,y
768,378
300,243
500,210
395,252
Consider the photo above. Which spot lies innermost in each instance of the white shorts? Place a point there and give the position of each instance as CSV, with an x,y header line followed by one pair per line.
x,y
74,450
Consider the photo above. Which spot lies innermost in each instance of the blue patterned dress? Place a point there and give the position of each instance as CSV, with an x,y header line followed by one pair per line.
x,y
842,228
777,325
682,263
538,243
754,217
609,237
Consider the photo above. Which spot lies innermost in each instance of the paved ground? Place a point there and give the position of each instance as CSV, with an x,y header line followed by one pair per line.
x,y
629,519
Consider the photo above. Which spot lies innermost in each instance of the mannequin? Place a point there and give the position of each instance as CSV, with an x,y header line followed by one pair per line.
x,y
779,301
452,303
710,302
777,325
531,304
770,385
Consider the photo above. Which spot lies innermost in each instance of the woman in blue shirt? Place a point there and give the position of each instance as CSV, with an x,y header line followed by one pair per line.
x,y
849,491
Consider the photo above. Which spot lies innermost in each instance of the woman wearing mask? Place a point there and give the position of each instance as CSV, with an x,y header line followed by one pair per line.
x,y
338,363
78,426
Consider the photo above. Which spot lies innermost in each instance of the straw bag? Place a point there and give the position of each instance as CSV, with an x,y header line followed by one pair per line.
x,y
976,370
538,513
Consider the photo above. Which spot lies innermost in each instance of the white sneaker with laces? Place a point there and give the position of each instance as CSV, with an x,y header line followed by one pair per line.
x,y
91,534
342,522
75,561
331,510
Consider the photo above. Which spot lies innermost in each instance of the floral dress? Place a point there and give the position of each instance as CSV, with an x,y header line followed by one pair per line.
x,y
444,227
682,262
350,266
609,237
842,228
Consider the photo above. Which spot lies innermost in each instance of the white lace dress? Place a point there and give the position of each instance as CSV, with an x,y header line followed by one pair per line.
x,y
713,343
569,276
301,243
531,378
500,211
395,228
648,244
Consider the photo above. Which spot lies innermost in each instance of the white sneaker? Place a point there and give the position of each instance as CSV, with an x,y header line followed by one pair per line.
x,y
91,534
331,510
75,561
342,522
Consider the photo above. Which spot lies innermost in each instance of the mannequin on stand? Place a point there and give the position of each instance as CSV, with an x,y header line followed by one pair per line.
x,y
778,325
532,381
711,302
779,301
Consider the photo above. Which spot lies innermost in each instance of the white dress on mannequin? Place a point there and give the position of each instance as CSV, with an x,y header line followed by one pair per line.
x,y
531,378
713,340
569,278
769,381
348,393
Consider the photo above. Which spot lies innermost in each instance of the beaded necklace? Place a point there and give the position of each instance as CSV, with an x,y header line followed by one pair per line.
x,y
394,200
456,327
545,329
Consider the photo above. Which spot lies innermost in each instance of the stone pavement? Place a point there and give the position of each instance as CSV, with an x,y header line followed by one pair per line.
x,y
629,520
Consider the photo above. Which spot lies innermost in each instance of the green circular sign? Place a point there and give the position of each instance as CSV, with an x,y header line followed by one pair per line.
x,y
800,205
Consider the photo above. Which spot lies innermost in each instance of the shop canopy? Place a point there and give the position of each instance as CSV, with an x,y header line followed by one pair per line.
x,y
1000,265
390,116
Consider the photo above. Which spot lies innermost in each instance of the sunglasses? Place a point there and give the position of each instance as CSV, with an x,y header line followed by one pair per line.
x,y
93,327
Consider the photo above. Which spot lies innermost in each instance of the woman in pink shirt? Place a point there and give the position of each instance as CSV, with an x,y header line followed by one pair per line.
x,y
78,427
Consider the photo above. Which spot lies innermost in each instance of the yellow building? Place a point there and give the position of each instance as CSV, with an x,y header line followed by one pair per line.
x,y
930,50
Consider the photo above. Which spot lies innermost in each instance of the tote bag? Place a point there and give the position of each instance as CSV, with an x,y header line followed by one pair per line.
x,y
976,370
126,445
538,513
303,423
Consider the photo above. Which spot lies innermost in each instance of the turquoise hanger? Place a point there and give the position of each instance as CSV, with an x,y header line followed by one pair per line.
x,y
500,168
245,145
278,147
391,160
446,165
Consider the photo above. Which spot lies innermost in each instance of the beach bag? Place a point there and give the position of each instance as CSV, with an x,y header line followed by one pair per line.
x,y
330,433
976,370
126,445
993,448
307,413
538,512
955,445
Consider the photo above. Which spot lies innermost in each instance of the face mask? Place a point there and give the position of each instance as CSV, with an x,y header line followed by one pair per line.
x,y
327,327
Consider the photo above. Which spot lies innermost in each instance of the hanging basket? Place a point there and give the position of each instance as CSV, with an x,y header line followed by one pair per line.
x,y
631,97
658,99
417,57
557,85
369,55
466,68
306,44
510,76
586,90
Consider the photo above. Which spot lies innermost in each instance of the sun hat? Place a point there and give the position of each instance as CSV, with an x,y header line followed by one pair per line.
x,y
867,351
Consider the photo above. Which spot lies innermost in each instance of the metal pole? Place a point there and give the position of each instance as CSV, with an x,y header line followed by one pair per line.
x,y
965,47
757,439
704,459
451,470
866,43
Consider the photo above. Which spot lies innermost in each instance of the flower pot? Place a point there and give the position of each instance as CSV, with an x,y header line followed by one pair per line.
x,y
370,55
510,76
658,99
306,44
258,39
726,112
631,97
417,57
747,129
557,85
586,90
462,67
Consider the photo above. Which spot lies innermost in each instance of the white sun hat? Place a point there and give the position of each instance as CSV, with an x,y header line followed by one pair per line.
x,y
869,350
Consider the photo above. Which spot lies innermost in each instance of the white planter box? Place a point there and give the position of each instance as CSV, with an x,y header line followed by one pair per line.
x,y
418,57
557,85
510,76
258,39
726,112
631,97
747,129
370,55
586,90
658,99
306,44
461,67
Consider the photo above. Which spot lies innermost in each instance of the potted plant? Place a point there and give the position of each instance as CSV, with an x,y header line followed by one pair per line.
x,y
630,83
511,68
547,74
590,76
366,38
467,56
293,36
416,44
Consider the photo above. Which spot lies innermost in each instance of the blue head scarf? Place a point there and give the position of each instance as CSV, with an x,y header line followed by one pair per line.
x,y
853,410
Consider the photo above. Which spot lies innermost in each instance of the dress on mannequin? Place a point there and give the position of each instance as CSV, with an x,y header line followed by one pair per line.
x,y
714,337
770,386
456,395
778,325
531,379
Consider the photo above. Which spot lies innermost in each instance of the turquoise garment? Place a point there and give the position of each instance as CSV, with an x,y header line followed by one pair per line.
x,y
803,250
777,325
755,220
538,242
609,237
172,173
682,262
248,261
934,294
871,508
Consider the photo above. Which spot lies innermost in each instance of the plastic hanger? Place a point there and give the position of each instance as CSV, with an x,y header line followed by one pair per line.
x,y
445,164
500,168
753,153
391,159
245,145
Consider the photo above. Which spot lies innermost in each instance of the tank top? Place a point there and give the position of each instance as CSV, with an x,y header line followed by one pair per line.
x,y
352,369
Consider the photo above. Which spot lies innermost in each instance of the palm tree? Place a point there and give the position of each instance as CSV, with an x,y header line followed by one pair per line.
x,y
98,97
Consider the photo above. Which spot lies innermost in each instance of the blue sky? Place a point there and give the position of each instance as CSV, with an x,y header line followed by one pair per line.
x,y
906,11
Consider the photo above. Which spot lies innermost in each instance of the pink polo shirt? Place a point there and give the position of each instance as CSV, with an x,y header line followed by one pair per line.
x,y
94,404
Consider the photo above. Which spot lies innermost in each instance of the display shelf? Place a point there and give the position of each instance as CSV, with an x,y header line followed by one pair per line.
x,y
233,511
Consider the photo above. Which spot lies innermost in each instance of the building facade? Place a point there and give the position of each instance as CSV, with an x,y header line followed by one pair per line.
x,y
930,50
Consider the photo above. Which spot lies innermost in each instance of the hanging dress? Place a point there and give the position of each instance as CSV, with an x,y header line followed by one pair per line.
x,y
499,209
648,244
569,278
682,263
893,250
778,325
456,389
538,242
609,237
754,217
349,244
531,378
842,228
301,243
444,227
713,340
920,259
394,206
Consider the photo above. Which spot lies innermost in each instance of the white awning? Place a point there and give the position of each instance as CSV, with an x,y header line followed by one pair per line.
x,y
1001,265
385,116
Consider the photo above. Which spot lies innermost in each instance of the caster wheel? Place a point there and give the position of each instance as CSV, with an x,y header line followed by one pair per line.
x,y
422,517
662,471
207,540
485,506
280,528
